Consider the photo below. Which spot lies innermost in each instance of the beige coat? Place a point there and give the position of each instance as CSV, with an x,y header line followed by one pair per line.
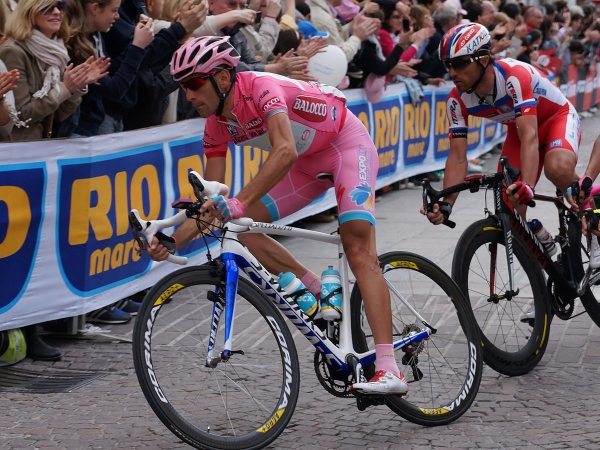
x,y
321,17
38,113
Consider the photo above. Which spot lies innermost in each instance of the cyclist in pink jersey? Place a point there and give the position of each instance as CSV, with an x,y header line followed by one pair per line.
x,y
314,143
542,126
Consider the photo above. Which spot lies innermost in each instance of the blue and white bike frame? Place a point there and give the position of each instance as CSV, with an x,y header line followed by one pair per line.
x,y
236,257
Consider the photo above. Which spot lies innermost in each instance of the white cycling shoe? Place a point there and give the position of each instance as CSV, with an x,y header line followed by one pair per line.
x,y
383,383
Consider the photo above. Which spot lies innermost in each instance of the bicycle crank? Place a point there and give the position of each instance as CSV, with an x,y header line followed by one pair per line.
x,y
562,308
335,382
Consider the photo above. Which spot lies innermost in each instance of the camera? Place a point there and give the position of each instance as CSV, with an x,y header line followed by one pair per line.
x,y
406,25
258,17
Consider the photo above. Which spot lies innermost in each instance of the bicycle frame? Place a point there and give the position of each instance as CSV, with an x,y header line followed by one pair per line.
x,y
236,256
512,222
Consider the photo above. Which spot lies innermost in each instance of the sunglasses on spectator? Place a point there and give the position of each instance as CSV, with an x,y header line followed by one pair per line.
x,y
460,63
60,5
193,84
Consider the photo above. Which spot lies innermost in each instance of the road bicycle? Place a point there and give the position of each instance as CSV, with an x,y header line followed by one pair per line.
x,y
242,394
511,299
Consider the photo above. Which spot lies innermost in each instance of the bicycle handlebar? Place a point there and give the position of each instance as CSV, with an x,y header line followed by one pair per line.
x,y
145,230
472,183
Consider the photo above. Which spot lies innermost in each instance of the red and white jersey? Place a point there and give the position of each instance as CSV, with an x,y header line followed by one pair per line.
x,y
316,113
520,90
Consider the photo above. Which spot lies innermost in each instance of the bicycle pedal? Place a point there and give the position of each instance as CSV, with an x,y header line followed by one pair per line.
x,y
364,401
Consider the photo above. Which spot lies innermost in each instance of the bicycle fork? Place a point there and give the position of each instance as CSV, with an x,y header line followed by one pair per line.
x,y
230,288
508,295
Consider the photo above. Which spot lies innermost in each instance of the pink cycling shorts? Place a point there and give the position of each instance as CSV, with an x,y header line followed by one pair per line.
x,y
349,163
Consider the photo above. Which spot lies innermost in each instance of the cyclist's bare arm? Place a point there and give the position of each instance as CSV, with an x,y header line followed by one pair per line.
x,y
214,170
281,158
454,173
527,127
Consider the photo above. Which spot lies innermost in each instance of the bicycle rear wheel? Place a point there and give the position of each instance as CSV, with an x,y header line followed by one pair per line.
x,y
444,370
514,331
245,402
580,259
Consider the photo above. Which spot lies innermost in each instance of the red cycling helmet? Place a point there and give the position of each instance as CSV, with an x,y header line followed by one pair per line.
x,y
202,56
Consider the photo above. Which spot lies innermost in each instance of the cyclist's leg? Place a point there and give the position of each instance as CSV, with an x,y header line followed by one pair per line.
x,y
296,190
356,164
560,137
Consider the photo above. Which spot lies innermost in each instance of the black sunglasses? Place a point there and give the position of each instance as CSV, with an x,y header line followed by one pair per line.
x,y
460,63
60,5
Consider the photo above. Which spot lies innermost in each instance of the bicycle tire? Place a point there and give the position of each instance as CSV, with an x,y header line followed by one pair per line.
x,y
580,258
450,360
245,402
510,346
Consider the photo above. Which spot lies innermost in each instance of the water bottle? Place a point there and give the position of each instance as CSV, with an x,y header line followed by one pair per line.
x,y
331,294
305,300
544,237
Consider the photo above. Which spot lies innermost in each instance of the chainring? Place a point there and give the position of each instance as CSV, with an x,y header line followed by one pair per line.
x,y
335,382
563,309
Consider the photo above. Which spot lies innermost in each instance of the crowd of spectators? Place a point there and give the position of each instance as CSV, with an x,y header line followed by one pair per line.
x,y
71,68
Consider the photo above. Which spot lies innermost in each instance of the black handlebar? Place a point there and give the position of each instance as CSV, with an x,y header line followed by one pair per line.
x,y
472,183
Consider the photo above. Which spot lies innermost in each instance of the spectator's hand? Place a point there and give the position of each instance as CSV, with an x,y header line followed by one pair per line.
x,y
370,7
192,15
273,8
413,62
8,81
500,29
424,33
289,63
435,81
363,27
403,69
501,45
245,16
98,68
311,47
75,77
144,32
403,9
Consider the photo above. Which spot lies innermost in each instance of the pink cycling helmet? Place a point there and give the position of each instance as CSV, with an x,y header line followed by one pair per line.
x,y
465,40
202,56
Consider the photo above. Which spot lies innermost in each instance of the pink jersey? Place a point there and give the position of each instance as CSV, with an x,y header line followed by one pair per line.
x,y
520,89
317,113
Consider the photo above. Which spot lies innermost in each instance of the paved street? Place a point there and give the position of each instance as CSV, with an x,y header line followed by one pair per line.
x,y
554,406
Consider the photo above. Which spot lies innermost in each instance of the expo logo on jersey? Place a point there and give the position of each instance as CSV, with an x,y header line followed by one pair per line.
x,y
95,246
21,213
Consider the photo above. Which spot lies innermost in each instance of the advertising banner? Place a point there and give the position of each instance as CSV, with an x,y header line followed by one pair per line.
x,y
65,244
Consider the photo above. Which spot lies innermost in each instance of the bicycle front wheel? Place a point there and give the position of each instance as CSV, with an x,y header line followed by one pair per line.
x,y
245,402
444,370
514,327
